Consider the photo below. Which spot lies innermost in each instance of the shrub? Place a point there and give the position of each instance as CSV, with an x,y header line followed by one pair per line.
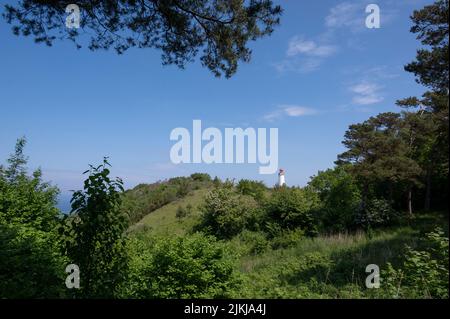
x,y
256,242
94,233
183,211
252,188
424,274
31,263
195,266
378,212
217,182
226,214
293,207
312,268
259,246
287,238
202,177
183,186
340,198
272,229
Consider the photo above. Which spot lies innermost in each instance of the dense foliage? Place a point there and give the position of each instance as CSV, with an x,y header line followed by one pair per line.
x,y
290,208
31,263
252,188
26,200
226,213
340,198
93,233
424,273
194,266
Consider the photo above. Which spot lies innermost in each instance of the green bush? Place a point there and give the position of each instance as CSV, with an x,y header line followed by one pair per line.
x,y
195,266
287,238
94,234
203,177
424,274
340,198
378,212
225,213
252,188
182,212
256,242
31,263
293,207
216,182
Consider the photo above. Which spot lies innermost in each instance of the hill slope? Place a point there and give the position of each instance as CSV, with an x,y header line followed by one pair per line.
x,y
290,266
163,221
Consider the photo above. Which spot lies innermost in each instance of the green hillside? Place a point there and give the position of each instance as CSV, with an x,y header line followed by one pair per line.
x,y
164,221
291,265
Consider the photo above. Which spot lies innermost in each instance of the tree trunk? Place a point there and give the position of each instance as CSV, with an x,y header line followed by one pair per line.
x,y
410,211
428,191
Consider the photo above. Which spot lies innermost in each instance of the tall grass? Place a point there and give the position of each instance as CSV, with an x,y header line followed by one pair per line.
x,y
295,266
331,266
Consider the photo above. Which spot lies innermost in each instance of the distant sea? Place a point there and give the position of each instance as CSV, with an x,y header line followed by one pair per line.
x,y
64,202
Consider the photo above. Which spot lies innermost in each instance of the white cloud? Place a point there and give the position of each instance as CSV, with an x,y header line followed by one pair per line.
x,y
270,117
383,72
304,55
290,111
304,65
366,99
294,111
298,45
345,22
364,88
346,14
366,93
352,15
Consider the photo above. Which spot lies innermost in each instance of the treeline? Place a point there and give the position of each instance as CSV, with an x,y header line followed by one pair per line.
x,y
403,157
145,198
332,202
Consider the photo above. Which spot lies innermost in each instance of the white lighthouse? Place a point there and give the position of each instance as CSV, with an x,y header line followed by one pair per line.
x,y
281,179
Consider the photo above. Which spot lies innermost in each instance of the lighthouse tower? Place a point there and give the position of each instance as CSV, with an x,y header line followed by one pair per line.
x,y
281,179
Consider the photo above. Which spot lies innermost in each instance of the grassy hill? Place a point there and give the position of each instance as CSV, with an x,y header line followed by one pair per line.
x,y
163,221
146,198
292,265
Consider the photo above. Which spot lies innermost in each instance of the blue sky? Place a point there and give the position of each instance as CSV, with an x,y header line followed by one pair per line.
x,y
319,72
